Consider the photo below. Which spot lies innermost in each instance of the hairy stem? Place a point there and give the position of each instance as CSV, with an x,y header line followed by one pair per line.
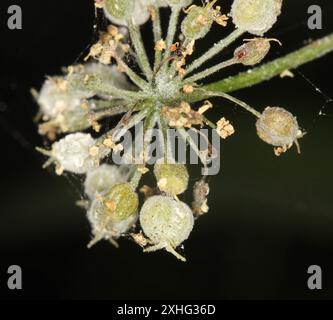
x,y
232,99
135,179
94,83
210,71
140,50
172,28
217,48
157,29
269,70
142,84
173,22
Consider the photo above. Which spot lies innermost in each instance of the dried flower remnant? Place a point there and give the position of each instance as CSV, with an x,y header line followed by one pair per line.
x,y
200,200
118,78
225,128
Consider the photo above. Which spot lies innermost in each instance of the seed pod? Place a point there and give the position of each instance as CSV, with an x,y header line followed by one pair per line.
x,y
252,52
278,127
255,16
101,179
121,201
120,11
171,178
197,23
166,222
116,10
103,227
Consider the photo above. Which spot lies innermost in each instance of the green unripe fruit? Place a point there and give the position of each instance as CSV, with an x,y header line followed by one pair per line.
x,y
171,178
121,202
197,23
117,10
165,221
121,11
278,127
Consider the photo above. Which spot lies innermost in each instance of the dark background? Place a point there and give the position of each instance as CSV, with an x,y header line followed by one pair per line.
x,y
270,218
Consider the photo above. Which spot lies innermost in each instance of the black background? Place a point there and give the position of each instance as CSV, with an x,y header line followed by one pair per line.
x,y
270,218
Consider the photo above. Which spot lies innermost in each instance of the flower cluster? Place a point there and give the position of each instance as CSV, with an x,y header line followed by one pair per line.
x,y
161,96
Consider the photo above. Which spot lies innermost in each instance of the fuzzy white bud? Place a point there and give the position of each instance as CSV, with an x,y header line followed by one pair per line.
x,y
54,98
73,153
255,16
105,228
101,179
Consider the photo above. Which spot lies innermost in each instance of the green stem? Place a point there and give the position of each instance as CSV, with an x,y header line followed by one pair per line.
x,y
172,28
173,22
142,84
210,71
94,83
217,48
269,70
157,29
140,50
149,125
136,177
232,99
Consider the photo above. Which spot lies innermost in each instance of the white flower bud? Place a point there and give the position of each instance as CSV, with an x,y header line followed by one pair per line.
x,y
55,98
255,16
166,222
73,120
101,179
103,227
73,153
